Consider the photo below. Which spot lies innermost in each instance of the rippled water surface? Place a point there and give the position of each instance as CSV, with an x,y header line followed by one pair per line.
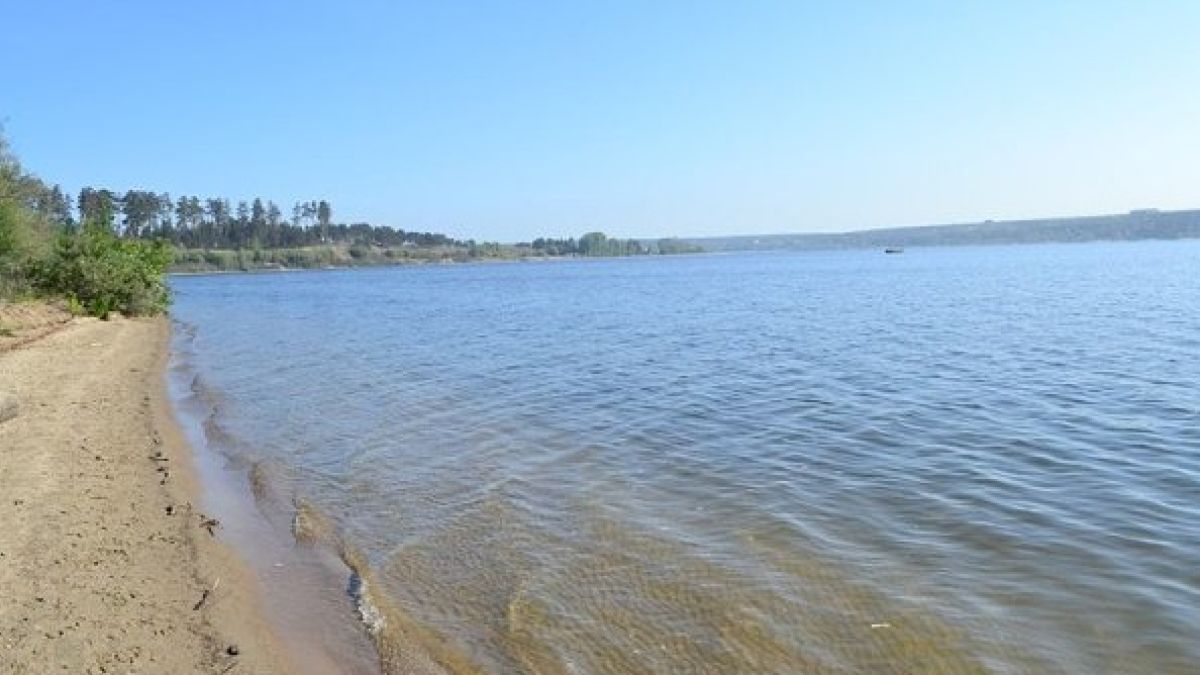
x,y
951,460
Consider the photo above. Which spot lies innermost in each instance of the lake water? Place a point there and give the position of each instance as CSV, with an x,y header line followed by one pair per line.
x,y
946,461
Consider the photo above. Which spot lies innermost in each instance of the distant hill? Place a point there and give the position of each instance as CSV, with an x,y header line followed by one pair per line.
x,y
1135,225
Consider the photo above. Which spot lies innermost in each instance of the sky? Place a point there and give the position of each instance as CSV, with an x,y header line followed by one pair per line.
x,y
511,120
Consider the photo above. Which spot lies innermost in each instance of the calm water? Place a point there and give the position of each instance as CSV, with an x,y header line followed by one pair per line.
x,y
952,460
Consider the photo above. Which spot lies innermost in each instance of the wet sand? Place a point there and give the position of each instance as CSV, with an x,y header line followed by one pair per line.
x,y
105,565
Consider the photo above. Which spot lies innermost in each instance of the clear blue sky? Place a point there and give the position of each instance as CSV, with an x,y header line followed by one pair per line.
x,y
507,120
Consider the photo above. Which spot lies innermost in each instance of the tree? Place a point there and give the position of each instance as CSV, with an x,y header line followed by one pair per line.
x,y
183,215
97,206
258,221
241,225
189,217
274,219
274,215
308,211
141,209
324,215
58,207
164,216
13,221
593,244
218,223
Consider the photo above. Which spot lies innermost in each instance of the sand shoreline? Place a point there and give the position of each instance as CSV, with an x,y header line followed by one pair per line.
x,y
104,564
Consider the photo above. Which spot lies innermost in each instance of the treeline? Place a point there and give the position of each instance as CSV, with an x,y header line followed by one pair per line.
x,y
597,244
45,252
1141,224
216,223
215,233
592,244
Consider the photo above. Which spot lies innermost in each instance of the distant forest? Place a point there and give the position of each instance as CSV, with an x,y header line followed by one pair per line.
x,y
214,233
215,223
1132,226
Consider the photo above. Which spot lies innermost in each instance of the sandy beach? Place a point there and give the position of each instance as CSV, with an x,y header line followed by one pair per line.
x,y
105,565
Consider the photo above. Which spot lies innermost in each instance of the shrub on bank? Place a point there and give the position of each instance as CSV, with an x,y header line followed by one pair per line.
x,y
23,235
12,279
102,273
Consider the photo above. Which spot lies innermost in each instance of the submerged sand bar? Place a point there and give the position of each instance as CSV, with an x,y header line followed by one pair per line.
x,y
104,564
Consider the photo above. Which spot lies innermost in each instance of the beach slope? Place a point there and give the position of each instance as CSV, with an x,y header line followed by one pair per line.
x,y
105,566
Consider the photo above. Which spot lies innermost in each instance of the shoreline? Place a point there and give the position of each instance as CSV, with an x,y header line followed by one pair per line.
x,y
104,563
176,272
304,584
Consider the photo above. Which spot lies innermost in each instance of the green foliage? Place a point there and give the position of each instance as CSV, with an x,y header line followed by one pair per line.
x,y
592,244
75,307
22,230
220,259
674,246
104,273
9,233
11,277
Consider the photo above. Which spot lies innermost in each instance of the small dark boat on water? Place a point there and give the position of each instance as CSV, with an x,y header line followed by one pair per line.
x,y
893,251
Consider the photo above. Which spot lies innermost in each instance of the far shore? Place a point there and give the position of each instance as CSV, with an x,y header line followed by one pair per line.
x,y
106,565
448,262
272,269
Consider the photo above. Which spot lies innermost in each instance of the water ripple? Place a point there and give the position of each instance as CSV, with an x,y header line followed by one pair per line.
x,y
975,460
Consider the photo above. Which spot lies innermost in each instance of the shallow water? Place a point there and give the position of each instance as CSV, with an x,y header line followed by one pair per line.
x,y
952,460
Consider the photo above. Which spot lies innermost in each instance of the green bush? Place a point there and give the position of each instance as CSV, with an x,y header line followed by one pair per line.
x,y
217,259
10,235
188,257
103,273
21,240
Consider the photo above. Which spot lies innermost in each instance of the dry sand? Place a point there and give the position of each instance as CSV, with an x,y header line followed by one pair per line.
x,y
25,322
103,562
